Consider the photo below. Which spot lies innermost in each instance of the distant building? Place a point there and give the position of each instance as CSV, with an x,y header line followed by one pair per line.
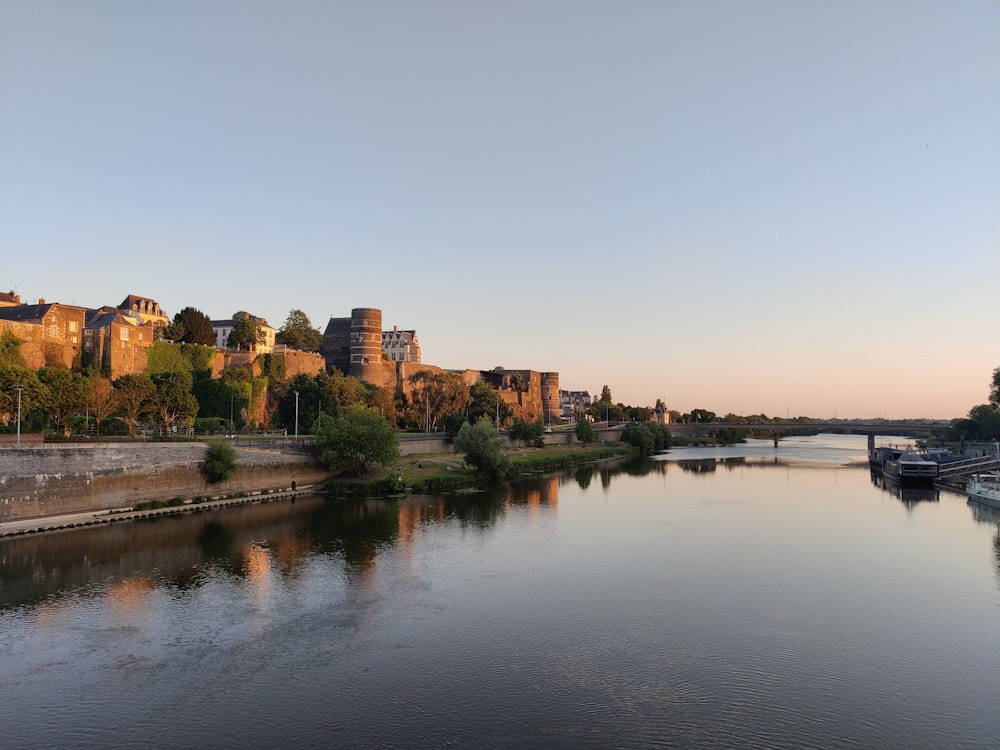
x,y
9,299
147,309
265,344
401,346
573,403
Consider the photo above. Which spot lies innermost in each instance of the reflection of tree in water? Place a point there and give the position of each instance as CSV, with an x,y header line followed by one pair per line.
x,y
698,465
996,554
583,475
354,529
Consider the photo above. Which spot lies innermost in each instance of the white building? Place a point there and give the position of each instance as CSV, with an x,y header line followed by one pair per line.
x,y
401,346
223,328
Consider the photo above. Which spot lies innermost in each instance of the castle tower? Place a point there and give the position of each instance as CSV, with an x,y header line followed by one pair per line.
x,y
550,397
366,344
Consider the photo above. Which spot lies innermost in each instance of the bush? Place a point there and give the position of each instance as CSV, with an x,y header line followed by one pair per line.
x,y
483,448
220,463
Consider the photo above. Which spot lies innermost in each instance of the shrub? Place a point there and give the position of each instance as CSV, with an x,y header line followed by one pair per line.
x,y
220,463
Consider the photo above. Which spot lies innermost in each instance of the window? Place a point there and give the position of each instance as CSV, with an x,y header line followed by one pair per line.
x,y
124,334
73,325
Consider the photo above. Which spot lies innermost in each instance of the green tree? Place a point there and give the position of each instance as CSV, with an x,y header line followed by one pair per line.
x,y
517,382
246,332
220,463
297,332
439,393
135,399
605,395
222,399
173,400
190,326
10,350
995,388
483,448
32,391
357,441
485,403
584,432
530,433
67,394
639,437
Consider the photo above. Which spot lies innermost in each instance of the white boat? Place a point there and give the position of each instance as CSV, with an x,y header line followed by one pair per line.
x,y
985,488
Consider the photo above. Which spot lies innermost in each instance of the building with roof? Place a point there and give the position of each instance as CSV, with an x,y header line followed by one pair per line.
x,y
147,309
50,333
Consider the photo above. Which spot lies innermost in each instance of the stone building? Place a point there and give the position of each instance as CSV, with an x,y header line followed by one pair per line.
x,y
117,342
146,309
51,333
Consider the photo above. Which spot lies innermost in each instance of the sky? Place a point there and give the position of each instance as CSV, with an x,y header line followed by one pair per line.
x,y
773,206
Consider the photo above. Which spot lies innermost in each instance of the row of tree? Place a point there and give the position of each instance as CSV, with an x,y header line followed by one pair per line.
x,y
983,422
192,326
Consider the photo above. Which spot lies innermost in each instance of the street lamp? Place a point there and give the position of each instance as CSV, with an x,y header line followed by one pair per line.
x,y
18,388
296,414
232,424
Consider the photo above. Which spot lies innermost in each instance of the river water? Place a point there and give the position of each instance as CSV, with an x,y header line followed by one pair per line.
x,y
743,597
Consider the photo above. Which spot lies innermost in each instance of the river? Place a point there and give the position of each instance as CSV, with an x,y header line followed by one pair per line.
x,y
740,597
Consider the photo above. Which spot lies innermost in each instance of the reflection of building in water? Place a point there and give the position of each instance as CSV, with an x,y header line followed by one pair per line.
x,y
129,595
257,569
291,550
550,491
909,496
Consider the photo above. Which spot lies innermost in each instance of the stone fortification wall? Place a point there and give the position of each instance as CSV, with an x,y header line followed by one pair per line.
x,y
366,344
302,363
41,481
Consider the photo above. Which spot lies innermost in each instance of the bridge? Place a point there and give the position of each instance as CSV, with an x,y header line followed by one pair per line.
x,y
850,427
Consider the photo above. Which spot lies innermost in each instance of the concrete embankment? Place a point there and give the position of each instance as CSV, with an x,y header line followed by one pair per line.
x,y
41,481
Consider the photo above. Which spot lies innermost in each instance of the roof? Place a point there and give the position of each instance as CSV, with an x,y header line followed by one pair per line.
x,y
26,313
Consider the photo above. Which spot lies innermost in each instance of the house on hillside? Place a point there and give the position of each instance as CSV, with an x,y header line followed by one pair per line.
x,y
117,342
51,333
147,309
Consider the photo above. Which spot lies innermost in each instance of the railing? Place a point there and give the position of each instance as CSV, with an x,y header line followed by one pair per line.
x,y
968,465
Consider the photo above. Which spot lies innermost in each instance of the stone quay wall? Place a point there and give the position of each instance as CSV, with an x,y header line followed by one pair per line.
x,y
38,481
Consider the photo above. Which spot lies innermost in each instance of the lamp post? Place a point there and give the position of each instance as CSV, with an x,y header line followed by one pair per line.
x,y
232,424
18,388
296,414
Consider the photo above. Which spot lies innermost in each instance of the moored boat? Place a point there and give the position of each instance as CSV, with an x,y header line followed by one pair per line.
x,y
985,489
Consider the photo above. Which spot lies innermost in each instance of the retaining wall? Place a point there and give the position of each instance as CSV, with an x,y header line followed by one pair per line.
x,y
40,481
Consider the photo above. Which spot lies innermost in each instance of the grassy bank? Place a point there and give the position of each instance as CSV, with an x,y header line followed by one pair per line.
x,y
436,472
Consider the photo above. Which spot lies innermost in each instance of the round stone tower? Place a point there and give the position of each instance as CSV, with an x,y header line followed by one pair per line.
x,y
366,344
550,397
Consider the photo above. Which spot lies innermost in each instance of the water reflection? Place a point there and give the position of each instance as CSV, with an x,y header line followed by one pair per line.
x,y
908,496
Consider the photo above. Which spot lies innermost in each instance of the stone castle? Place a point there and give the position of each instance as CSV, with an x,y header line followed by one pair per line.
x,y
358,346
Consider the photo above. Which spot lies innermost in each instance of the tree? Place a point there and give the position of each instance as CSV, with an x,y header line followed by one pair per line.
x,y
995,388
10,350
220,463
102,399
517,382
357,441
33,392
531,433
297,332
485,403
190,326
483,448
605,395
135,399
67,394
440,394
173,400
584,432
639,437
246,333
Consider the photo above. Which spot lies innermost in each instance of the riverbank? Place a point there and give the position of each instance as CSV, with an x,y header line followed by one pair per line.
x,y
420,474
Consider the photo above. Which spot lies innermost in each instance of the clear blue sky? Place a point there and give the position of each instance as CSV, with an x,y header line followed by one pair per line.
x,y
779,207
